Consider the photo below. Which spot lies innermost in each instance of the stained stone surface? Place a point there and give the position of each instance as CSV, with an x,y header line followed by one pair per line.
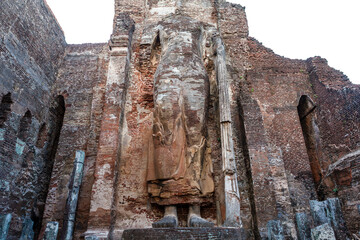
x,y
330,212
358,207
199,222
2,134
166,222
74,188
4,225
323,232
337,218
27,230
91,238
179,172
185,233
51,231
275,230
319,212
303,226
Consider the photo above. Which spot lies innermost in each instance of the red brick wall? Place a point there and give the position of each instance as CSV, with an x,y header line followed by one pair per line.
x,y
274,173
81,80
277,84
339,124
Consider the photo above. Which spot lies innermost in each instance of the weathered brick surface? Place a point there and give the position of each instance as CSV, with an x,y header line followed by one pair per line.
x,y
81,80
283,145
132,206
338,119
234,30
31,46
277,85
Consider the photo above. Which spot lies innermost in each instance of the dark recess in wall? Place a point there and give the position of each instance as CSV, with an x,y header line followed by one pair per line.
x,y
57,112
5,108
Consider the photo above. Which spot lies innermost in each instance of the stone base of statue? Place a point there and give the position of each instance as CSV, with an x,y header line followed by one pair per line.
x,y
214,233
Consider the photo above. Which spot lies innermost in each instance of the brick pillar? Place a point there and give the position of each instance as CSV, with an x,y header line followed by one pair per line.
x,y
263,195
109,142
270,186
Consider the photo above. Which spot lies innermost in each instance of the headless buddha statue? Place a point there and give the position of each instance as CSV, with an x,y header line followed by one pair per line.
x,y
180,167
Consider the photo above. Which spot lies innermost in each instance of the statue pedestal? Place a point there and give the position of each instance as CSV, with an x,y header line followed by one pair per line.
x,y
215,233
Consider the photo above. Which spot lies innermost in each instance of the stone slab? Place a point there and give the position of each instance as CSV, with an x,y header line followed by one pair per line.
x,y
319,212
323,232
330,212
303,226
358,207
27,232
185,233
275,230
337,218
92,238
2,134
73,197
51,231
4,225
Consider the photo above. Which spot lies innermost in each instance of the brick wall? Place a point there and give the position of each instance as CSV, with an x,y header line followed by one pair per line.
x,y
58,98
338,116
31,46
81,80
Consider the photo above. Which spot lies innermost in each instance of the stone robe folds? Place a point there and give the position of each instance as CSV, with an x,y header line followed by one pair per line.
x,y
180,166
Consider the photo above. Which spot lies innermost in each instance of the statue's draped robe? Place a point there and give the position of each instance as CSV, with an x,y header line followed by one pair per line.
x,y
179,166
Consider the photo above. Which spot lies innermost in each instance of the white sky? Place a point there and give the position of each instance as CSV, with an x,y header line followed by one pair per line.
x,y
292,28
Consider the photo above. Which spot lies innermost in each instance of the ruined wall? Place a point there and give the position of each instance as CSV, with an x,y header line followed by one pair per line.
x,y
338,121
295,123
123,162
276,85
273,155
81,80
31,47
276,178
261,165
338,102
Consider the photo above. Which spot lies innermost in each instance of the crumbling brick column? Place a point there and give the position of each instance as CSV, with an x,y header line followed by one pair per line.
x,y
109,143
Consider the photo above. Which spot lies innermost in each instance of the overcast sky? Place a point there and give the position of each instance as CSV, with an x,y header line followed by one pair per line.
x,y
292,28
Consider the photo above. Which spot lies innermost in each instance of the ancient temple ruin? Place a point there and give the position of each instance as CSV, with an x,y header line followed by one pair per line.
x,y
180,110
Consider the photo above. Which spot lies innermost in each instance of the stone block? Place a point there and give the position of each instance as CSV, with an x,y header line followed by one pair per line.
x,y
319,212
337,218
4,186
4,225
275,230
19,147
303,226
185,233
27,232
72,200
93,237
51,230
2,134
323,232
330,212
